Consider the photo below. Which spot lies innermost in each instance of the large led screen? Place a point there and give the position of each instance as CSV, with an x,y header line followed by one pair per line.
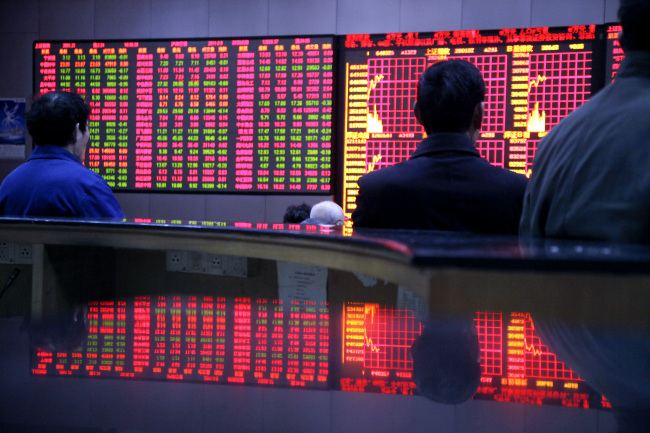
x,y
534,78
235,115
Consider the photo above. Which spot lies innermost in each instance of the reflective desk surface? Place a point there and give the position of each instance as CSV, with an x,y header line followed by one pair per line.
x,y
494,281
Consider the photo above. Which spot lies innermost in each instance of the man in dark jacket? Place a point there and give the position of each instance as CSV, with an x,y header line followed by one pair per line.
x,y
445,184
590,174
591,181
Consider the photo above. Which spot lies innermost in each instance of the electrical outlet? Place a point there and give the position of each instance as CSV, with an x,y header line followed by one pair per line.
x,y
7,254
176,261
214,264
214,260
23,253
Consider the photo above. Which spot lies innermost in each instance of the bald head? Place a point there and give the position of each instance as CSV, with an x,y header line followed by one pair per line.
x,y
328,212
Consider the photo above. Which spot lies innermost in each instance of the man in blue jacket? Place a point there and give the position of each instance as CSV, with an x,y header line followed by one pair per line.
x,y
54,182
445,184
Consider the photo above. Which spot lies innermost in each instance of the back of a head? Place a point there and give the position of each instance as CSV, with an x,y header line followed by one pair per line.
x,y
328,212
634,16
53,117
296,213
448,93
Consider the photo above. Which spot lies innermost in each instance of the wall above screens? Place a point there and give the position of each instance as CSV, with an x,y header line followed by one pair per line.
x,y
231,115
534,77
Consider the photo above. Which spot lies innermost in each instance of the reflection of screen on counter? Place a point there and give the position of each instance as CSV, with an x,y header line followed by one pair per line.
x,y
204,339
270,343
516,365
202,115
534,77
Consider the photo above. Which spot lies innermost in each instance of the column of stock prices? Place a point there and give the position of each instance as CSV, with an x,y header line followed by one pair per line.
x,y
516,366
534,77
249,115
614,53
199,339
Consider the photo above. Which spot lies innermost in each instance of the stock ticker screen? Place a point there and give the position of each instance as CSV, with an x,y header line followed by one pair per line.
x,y
359,347
235,115
534,78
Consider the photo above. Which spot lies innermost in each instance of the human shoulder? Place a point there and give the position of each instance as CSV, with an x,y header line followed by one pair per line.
x,y
99,200
385,173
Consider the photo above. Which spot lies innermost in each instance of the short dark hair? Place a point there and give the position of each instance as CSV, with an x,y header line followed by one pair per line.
x,y
448,92
296,214
53,117
634,16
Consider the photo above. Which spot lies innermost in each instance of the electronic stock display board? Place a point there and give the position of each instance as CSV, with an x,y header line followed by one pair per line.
x,y
232,115
534,78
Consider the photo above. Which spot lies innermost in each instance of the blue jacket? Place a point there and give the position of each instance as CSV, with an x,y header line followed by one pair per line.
x,y
54,183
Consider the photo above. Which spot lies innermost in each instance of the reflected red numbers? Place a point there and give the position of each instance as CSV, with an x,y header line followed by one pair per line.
x,y
515,364
201,339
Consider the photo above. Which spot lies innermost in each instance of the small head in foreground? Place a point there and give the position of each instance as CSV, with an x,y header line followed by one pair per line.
x,y
295,214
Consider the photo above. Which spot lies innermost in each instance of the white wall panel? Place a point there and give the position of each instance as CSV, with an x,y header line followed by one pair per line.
x,y
122,19
304,17
276,205
307,408
230,208
495,14
174,19
430,15
16,64
134,205
558,418
363,412
549,13
66,19
232,408
18,16
420,415
239,18
367,16
611,10
177,206
491,417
